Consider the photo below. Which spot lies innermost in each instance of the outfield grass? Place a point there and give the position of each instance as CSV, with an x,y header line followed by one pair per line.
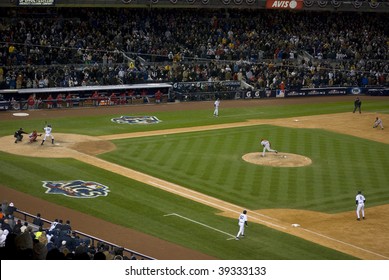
x,y
210,162
101,124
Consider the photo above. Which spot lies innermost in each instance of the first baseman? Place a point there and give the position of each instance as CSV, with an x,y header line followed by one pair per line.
x,y
266,146
242,222
48,130
360,201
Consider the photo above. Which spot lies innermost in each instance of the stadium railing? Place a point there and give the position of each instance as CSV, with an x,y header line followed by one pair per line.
x,y
25,216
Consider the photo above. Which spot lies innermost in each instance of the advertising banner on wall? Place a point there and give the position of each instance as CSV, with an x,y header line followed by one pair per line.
x,y
376,91
285,4
36,2
316,91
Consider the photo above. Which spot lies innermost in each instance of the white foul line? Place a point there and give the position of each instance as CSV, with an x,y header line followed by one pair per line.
x,y
207,202
255,218
345,243
196,222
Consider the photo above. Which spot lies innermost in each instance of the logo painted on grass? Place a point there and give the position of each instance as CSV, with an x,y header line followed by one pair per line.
x,y
136,120
76,189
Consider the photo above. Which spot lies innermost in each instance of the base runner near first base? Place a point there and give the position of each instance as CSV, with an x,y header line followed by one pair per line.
x,y
242,222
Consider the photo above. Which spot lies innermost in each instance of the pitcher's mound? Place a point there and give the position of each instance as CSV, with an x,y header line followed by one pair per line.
x,y
279,160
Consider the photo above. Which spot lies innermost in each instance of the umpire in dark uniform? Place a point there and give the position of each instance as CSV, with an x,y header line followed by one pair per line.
x,y
19,135
357,105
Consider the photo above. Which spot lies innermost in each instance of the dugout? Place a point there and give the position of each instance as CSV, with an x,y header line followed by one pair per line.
x,y
83,96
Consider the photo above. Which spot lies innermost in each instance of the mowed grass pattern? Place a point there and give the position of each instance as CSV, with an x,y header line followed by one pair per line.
x,y
141,207
210,162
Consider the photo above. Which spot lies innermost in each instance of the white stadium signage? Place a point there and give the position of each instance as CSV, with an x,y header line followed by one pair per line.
x,y
36,2
284,4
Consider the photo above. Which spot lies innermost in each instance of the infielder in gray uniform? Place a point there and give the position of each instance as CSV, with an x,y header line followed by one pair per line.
x,y
378,122
360,201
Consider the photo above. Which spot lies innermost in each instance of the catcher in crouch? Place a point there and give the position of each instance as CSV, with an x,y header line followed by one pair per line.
x,y
33,135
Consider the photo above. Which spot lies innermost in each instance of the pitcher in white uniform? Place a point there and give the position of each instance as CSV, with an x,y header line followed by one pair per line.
x,y
266,146
360,201
48,130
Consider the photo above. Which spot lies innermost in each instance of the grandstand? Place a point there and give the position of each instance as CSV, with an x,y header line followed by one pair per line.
x,y
238,52
95,242
260,47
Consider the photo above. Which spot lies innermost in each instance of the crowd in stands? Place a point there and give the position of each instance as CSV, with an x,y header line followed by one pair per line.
x,y
72,47
20,240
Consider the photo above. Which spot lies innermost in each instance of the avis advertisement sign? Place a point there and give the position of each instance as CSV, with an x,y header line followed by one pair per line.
x,y
284,4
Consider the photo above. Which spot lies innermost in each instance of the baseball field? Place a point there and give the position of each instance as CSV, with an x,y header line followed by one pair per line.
x,y
174,189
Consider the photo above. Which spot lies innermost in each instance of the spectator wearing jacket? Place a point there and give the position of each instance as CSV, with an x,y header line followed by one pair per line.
x,y
38,221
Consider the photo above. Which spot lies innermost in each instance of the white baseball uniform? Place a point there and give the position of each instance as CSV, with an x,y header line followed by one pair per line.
x,y
360,201
242,221
266,146
216,106
48,130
